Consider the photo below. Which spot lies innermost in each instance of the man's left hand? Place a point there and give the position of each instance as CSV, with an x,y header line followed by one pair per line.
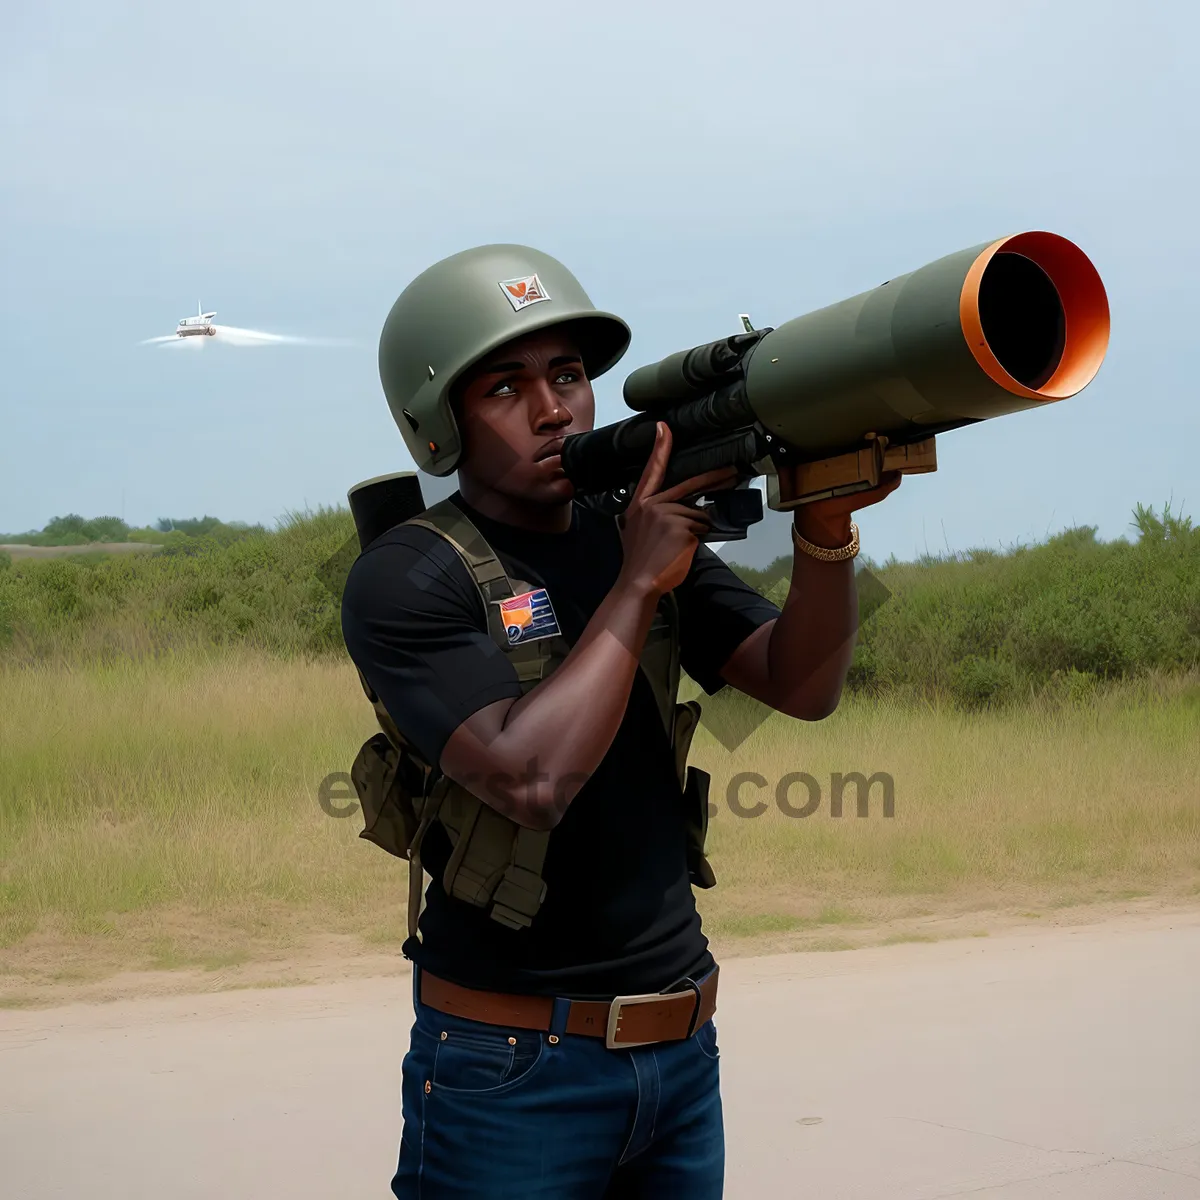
x,y
827,522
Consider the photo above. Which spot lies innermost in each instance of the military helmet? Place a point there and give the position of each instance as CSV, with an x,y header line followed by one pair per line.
x,y
460,310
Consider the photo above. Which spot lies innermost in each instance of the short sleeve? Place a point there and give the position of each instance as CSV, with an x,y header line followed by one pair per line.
x,y
718,611
414,624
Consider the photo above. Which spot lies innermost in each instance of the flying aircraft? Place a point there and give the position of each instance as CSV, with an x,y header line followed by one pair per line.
x,y
202,326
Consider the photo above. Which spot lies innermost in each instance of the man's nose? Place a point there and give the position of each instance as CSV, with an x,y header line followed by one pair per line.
x,y
549,411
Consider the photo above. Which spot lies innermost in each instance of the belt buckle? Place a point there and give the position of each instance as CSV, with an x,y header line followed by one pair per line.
x,y
620,1002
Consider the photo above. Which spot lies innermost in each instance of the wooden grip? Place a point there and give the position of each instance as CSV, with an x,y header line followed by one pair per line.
x,y
856,471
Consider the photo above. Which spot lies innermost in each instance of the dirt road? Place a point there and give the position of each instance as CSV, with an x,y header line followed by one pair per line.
x,y
1053,1064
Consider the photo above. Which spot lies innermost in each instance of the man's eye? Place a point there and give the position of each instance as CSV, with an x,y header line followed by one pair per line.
x,y
568,377
503,389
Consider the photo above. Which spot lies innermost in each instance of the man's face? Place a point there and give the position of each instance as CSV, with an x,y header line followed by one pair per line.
x,y
515,408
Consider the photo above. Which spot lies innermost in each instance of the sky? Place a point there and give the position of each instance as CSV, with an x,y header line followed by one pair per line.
x,y
294,165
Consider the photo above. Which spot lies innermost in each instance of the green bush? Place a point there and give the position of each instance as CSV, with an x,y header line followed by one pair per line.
x,y
982,628
986,627
275,590
1072,606
982,682
74,530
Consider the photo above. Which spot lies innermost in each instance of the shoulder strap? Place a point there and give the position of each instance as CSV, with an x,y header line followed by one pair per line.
x,y
448,520
532,660
660,656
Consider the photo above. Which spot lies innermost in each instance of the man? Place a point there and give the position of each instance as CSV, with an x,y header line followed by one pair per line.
x,y
520,1080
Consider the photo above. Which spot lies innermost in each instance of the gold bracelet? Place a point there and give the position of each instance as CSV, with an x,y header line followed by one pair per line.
x,y
823,553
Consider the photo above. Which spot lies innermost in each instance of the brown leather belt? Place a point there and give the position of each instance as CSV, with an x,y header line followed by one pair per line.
x,y
623,1022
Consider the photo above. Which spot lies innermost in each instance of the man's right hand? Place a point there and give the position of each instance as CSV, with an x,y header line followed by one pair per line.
x,y
659,532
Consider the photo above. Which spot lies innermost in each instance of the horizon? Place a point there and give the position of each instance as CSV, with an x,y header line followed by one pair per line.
x,y
729,551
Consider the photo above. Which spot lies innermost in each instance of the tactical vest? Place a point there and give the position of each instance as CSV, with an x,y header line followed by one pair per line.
x,y
496,864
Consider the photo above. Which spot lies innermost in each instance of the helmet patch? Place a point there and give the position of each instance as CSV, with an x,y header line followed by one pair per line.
x,y
529,617
523,292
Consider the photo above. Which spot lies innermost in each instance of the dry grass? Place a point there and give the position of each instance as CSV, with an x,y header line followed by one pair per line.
x,y
1039,807
163,814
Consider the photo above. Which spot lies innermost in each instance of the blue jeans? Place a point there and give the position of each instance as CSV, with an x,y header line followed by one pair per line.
x,y
492,1113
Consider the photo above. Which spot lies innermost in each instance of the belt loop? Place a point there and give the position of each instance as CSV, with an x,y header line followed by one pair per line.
x,y
699,1001
558,1017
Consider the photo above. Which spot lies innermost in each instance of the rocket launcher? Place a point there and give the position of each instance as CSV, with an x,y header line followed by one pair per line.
x,y
826,403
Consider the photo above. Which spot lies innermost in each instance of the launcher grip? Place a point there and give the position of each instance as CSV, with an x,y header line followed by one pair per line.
x,y
844,474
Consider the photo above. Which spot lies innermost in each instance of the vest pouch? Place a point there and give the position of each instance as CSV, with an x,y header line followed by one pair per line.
x,y
695,795
694,784
494,862
386,780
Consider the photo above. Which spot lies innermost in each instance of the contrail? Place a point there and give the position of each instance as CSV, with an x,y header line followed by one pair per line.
x,y
231,335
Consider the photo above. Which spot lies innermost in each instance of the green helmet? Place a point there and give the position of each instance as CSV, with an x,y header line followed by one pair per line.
x,y
462,309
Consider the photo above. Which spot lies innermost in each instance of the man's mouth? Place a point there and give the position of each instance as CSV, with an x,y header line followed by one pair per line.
x,y
551,449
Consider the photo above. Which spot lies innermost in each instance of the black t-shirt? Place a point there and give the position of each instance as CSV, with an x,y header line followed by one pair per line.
x,y
619,915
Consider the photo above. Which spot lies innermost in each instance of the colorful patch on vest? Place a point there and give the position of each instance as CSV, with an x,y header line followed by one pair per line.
x,y
523,292
529,617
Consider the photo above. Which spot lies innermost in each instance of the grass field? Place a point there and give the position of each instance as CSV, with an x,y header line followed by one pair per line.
x,y
163,813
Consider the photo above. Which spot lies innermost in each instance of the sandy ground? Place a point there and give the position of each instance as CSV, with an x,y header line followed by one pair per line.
x,y
1056,1063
